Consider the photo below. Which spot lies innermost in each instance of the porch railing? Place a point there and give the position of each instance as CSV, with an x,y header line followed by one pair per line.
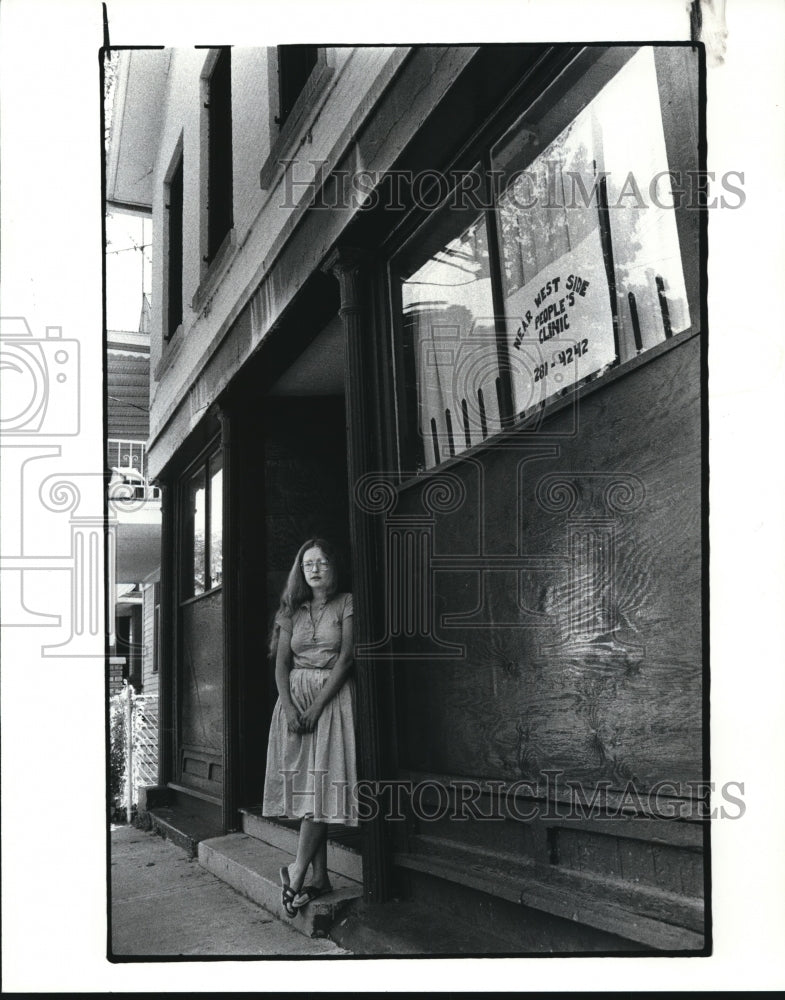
x,y
134,746
128,462
127,455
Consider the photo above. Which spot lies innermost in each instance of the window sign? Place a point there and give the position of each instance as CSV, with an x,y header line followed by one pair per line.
x,y
570,212
560,325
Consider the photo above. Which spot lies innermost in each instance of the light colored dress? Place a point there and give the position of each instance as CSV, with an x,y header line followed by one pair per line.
x,y
314,774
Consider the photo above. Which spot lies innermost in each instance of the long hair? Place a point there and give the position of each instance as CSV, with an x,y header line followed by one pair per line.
x,y
297,591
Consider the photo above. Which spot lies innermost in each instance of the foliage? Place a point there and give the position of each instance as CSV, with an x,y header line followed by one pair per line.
x,y
116,747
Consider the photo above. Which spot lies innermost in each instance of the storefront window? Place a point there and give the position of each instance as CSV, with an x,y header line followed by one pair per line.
x,y
591,265
447,309
585,271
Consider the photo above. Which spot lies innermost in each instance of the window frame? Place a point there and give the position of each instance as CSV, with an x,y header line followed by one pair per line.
x,y
219,180
176,168
203,463
287,102
411,466
284,133
157,637
213,259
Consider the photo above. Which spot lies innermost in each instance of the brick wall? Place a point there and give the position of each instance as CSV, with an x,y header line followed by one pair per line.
x,y
116,667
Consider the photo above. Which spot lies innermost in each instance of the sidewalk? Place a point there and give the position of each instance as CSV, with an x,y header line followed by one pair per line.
x,y
165,904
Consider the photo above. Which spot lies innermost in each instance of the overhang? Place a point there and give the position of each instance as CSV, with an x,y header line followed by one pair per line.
x,y
135,134
138,551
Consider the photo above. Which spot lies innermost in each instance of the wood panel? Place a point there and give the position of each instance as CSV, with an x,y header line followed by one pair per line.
x,y
620,698
606,874
201,695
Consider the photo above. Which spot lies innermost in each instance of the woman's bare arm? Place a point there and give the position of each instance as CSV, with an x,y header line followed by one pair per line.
x,y
283,666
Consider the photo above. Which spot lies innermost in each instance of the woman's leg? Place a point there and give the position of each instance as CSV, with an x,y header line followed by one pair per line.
x,y
321,878
313,837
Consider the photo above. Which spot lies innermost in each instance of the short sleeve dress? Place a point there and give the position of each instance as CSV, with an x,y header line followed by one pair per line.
x,y
314,774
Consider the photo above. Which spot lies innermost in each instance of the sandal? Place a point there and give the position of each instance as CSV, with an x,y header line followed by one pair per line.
x,y
288,895
310,892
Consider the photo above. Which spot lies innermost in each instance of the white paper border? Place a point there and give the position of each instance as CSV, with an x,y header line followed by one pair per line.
x,y
54,877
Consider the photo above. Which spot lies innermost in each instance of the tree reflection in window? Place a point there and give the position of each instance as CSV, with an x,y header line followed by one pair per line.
x,y
203,529
449,327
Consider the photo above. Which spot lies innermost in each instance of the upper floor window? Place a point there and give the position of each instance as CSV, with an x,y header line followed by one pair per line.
x,y
173,200
295,65
219,153
298,80
571,265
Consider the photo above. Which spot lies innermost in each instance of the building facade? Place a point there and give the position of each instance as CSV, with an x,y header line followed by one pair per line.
x,y
442,305
134,512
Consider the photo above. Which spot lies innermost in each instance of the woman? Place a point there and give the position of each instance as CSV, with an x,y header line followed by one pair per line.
x,y
311,771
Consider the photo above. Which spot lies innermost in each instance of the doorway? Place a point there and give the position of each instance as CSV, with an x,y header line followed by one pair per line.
x,y
302,492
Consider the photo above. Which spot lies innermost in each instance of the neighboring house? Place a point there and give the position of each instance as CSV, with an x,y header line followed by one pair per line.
x,y
134,510
410,298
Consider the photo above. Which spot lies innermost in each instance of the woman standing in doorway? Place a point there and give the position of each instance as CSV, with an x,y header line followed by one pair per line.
x,y
311,770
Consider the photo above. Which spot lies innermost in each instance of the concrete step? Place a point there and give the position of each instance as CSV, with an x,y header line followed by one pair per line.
x,y
340,858
251,867
184,829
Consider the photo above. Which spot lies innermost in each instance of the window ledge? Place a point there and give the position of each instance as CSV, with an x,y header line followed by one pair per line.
x,y
198,597
299,120
215,271
171,348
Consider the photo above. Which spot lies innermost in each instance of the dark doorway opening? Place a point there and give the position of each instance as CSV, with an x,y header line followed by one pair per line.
x,y
295,451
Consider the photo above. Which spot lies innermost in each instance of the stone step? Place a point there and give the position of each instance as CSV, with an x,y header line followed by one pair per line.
x,y
184,829
251,867
340,858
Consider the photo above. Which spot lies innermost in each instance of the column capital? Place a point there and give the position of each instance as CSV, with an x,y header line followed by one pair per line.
x,y
344,263
342,259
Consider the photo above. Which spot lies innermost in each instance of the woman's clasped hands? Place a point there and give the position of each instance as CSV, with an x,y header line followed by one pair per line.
x,y
310,716
293,719
303,722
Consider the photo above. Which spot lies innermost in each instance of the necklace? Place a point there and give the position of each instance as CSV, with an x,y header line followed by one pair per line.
x,y
315,624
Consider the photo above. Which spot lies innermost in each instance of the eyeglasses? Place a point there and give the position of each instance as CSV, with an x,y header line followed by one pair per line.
x,y
310,564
